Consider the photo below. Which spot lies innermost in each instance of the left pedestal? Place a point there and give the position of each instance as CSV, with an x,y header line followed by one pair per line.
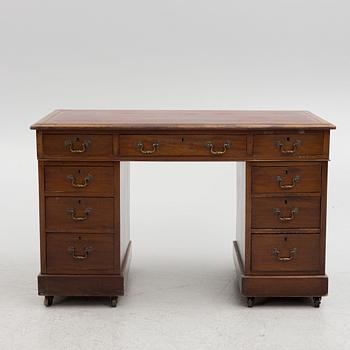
x,y
84,216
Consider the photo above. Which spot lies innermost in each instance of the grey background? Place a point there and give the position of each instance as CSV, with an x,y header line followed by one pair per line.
x,y
176,55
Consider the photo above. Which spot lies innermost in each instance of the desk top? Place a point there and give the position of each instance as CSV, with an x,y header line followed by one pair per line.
x,y
181,120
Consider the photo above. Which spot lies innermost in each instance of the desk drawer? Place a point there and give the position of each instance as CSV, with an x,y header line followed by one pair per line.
x,y
77,146
286,212
288,145
290,178
69,253
71,214
286,253
210,146
79,179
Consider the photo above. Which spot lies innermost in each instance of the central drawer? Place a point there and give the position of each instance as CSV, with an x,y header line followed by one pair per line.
x,y
70,214
213,146
69,253
286,253
286,212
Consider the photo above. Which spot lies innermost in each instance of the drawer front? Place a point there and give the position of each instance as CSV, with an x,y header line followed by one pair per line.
x,y
290,146
74,146
69,253
212,146
71,214
281,253
79,179
284,179
286,212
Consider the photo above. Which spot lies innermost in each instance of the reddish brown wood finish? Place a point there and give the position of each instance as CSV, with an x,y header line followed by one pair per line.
x,y
98,214
300,177
286,253
215,146
307,216
80,253
79,152
77,179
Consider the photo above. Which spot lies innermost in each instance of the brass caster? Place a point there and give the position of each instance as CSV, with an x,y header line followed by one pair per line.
x,y
250,301
317,301
114,301
48,300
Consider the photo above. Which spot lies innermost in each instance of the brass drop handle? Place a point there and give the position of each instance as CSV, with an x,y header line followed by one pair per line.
x,y
210,146
87,250
295,180
291,217
74,182
292,252
72,144
87,211
281,146
155,146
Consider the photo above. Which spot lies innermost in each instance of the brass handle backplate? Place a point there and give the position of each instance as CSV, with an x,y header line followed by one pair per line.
x,y
295,180
74,182
211,147
291,217
87,211
77,146
87,250
292,252
155,146
281,147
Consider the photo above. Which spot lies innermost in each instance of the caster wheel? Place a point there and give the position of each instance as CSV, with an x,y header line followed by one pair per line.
x,y
48,300
114,301
317,301
250,301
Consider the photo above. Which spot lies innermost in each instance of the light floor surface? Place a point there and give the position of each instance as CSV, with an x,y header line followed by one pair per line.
x,y
170,304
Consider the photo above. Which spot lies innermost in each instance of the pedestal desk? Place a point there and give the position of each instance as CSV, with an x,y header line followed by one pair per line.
x,y
84,194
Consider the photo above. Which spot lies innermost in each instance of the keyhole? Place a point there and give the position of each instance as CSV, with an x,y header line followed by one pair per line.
x,y
182,139
285,239
77,139
288,138
78,171
79,238
79,201
286,172
285,201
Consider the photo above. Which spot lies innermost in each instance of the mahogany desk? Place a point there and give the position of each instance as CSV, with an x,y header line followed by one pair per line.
x,y
84,194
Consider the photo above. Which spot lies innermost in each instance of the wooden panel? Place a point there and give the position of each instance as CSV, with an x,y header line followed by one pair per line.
x,y
306,212
124,208
77,146
79,179
184,145
181,119
97,211
288,145
241,207
270,253
305,177
79,253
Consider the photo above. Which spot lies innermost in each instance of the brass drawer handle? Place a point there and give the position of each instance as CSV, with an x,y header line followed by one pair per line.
x,y
281,146
292,252
87,250
295,180
82,145
74,182
291,217
210,146
87,211
155,146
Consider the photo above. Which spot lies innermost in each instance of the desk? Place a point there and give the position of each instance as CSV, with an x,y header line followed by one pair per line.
x,y
84,194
